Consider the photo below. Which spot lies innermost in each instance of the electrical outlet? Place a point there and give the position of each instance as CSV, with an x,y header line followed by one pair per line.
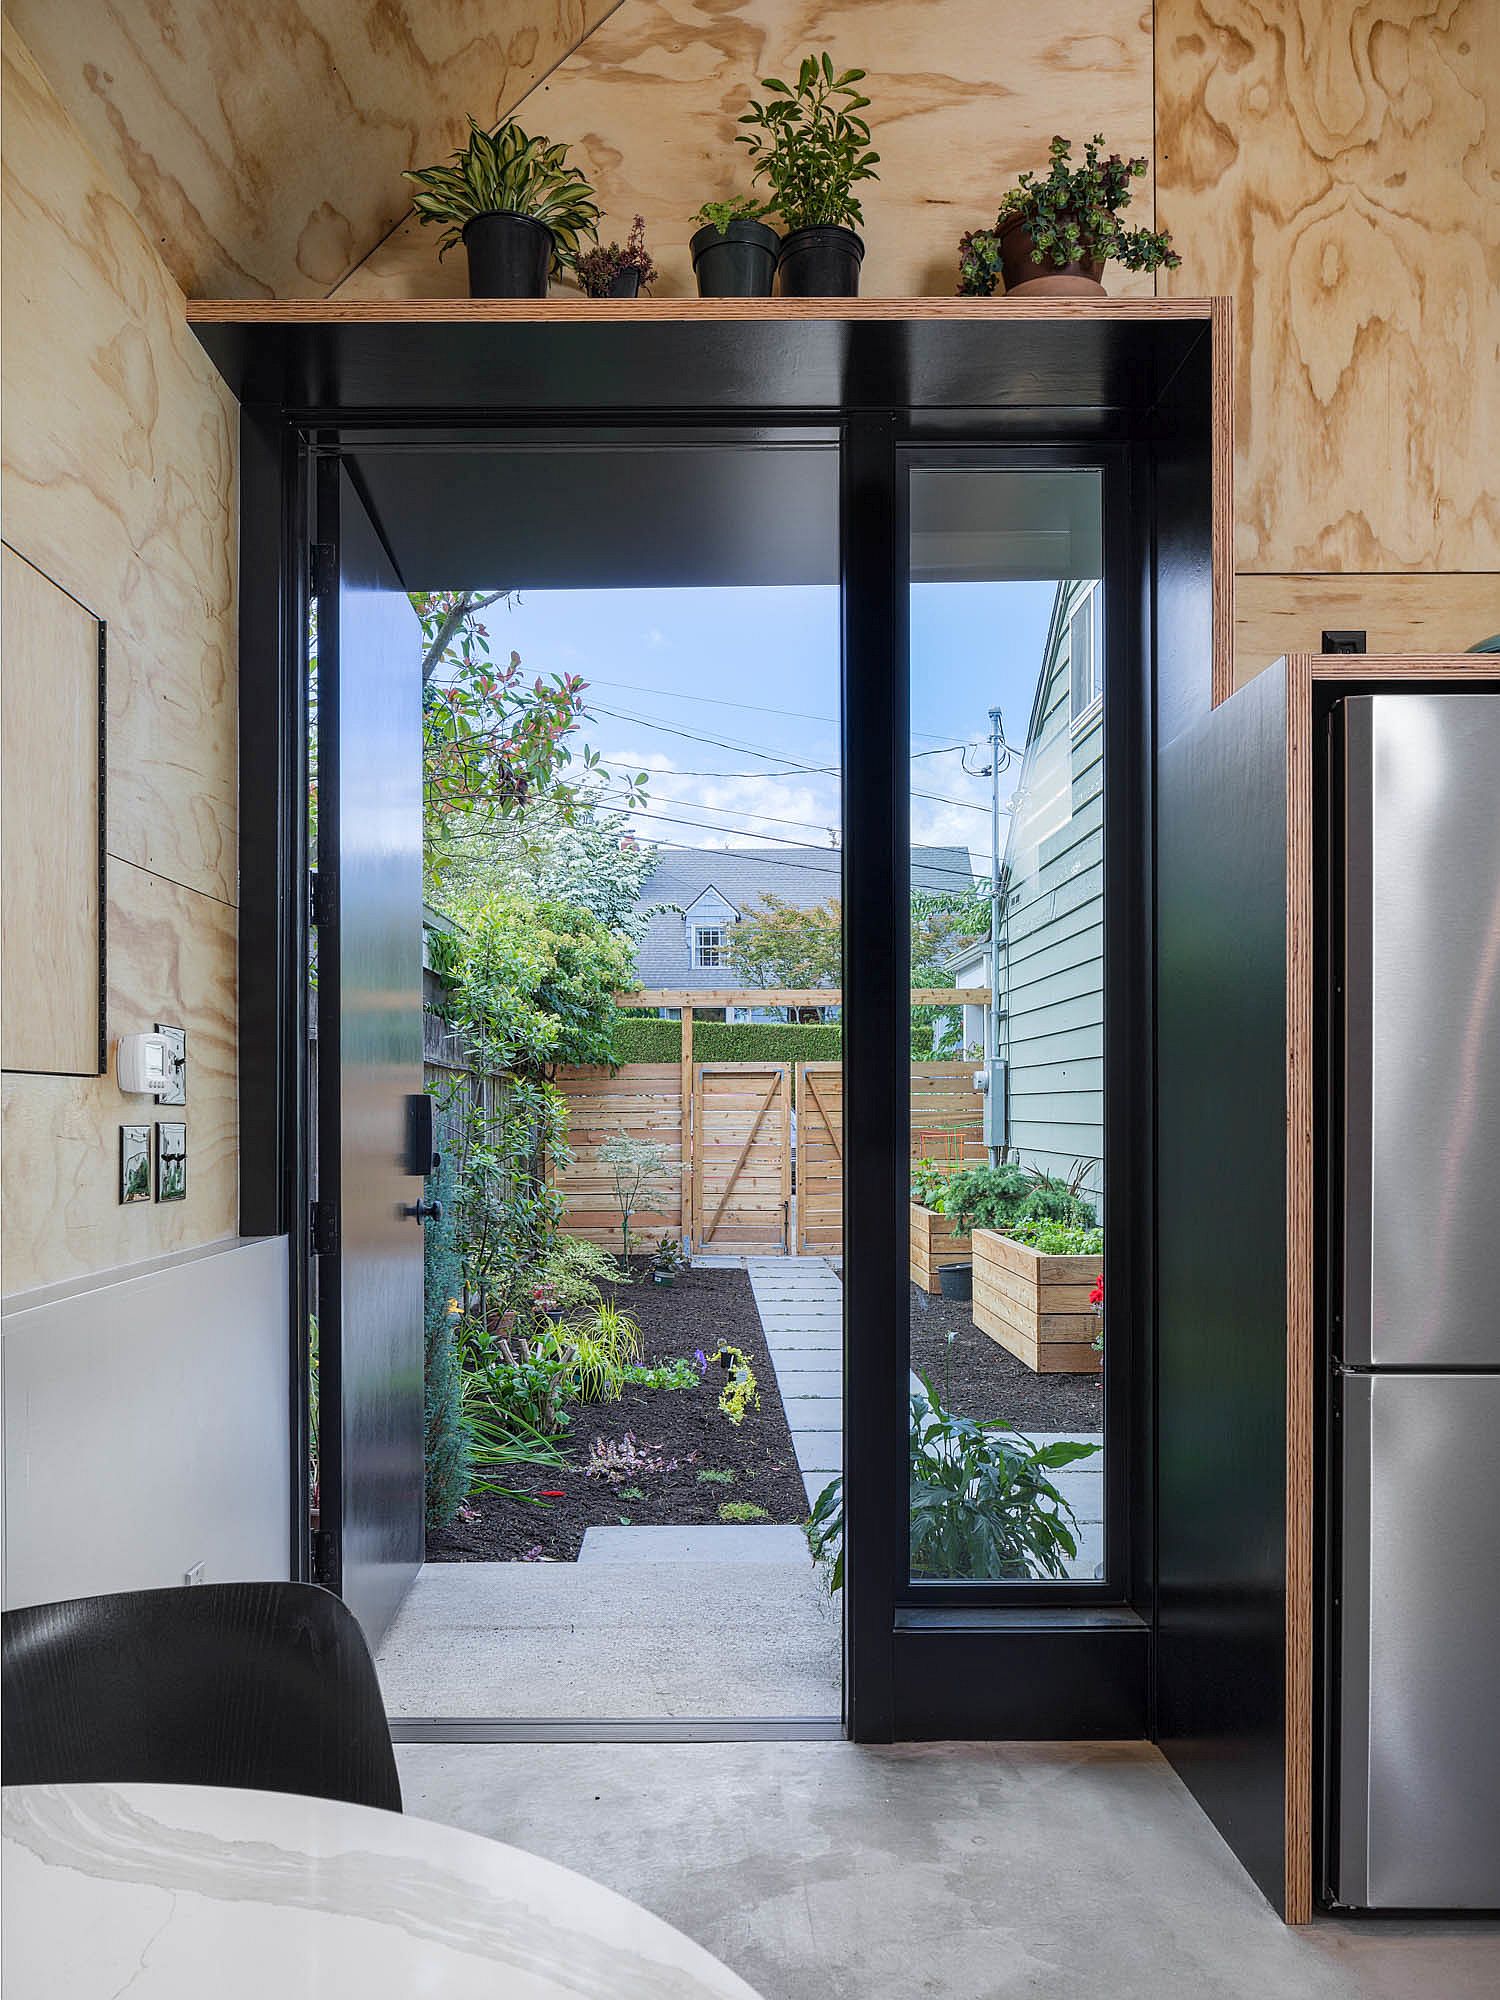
x,y
195,1574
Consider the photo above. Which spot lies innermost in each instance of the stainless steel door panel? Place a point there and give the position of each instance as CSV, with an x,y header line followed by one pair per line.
x,y
1422,1030
1419,1679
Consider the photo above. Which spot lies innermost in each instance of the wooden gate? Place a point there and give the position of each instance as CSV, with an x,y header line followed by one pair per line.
x,y
820,1159
742,1158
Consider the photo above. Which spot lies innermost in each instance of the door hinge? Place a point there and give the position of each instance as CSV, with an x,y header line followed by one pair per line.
x,y
320,900
323,569
325,1228
325,1558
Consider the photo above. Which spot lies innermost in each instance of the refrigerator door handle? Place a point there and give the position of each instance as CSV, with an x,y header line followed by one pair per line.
x,y
1355,957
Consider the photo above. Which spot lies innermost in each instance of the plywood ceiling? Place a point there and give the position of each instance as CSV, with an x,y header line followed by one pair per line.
x,y
260,142
1336,167
965,93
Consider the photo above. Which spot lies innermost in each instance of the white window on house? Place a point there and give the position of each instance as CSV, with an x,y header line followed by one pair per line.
x,y
710,945
1086,655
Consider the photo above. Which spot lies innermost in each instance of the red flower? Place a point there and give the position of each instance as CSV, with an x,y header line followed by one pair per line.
x,y
1096,1296
551,1493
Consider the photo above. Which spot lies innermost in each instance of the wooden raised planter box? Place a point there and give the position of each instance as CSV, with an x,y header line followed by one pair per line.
x,y
1036,1307
934,1240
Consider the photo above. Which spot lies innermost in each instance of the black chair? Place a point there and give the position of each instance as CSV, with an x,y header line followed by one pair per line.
x,y
262,1686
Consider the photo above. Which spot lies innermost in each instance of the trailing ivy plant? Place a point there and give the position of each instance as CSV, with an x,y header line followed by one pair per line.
x,y
1072,215
810,145
507,172
982,1503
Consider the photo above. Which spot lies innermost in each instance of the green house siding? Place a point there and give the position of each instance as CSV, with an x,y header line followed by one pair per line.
x,y
1052,935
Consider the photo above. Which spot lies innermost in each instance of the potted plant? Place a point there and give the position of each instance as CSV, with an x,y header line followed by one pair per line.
x,y
608,272
810,146
1056,235
734,252
516,205
668,1260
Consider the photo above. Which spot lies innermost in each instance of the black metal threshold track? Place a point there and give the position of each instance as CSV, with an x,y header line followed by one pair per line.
x,y
617,1729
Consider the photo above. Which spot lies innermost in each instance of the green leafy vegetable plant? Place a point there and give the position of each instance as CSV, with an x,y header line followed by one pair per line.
x,y
507,172
810,145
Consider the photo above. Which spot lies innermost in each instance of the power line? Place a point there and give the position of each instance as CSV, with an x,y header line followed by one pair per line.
x,y
753,708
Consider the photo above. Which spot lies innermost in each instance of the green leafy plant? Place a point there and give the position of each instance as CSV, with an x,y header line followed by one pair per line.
x,y
637,1170
1003,1196
982,1504
712,1475
662,1375
810,145
929,1183
1058,1239
739,1394
447,1439
742,1510
506,172
597,269
1072,216
573,1274
670,1256
719,214
500,1440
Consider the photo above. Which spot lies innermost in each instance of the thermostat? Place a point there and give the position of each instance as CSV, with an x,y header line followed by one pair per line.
x,y
143,1064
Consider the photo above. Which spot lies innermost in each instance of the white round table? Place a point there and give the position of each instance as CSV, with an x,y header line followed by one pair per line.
x,y
180,1892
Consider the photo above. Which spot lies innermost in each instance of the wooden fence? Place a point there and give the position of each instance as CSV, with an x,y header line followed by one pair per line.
x,y
754,1161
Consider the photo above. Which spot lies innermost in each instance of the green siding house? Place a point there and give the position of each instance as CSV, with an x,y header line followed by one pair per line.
x,y
1051,957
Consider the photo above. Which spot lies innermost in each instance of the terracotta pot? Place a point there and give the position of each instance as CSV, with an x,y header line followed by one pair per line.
x,y
1025,273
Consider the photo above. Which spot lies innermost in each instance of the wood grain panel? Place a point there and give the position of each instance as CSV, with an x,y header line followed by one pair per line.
x,y
1331,165
172,958
120,468
260,142
1399,613
49,932
964,95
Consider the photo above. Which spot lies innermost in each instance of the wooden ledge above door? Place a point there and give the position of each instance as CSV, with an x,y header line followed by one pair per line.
x,y
572,311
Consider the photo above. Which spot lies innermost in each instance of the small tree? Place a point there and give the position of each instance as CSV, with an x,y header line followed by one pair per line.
x,y
638,1170
445,1435
780,944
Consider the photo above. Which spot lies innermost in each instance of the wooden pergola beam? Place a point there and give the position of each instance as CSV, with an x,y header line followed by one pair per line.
x,y
790,996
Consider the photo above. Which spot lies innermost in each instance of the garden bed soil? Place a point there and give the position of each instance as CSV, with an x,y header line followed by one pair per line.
x,y
986,1382
682,1427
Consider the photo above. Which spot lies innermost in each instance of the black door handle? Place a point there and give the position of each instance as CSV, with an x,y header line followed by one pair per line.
x,y
423,1211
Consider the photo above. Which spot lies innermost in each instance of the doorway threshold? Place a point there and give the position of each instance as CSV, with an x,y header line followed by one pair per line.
x,y
618,1729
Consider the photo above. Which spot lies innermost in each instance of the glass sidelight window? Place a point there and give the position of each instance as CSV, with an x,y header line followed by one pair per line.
x,y
1007,1143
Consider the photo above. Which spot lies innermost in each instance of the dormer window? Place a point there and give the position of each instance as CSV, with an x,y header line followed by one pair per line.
x,y
710,945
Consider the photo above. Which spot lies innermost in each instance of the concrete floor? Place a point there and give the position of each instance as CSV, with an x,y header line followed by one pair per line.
x,y
966,1871
610,1638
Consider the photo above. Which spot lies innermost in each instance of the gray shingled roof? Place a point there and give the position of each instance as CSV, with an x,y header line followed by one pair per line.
x,y
743,875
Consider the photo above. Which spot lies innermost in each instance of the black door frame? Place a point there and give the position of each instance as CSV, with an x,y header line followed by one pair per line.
x,y
929,1661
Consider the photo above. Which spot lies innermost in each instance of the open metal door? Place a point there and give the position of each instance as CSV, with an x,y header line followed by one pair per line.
x,y
367,1219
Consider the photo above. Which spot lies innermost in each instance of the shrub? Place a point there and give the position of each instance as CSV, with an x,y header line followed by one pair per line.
x,y
573,1273
982,1504
639,1038
929,1184
1000,1197
447,1442
742,1510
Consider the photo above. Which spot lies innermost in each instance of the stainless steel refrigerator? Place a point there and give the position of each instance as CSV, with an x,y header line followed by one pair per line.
x,y
1413,1570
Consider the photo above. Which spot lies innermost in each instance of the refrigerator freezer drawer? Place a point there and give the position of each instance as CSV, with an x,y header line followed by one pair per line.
x,y
1421,1030
1418,1796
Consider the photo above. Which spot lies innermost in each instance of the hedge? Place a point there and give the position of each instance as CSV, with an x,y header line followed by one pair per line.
x,y
643,1040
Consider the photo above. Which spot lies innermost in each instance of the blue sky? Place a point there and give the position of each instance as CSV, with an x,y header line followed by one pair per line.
x,y
729,699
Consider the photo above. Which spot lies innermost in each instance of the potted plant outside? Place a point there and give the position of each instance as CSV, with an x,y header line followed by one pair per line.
x,y
811,146
519,209
734,252
1056,235
609,272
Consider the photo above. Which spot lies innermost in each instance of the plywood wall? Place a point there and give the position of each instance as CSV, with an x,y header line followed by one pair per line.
x,y
260,142
965,94
119,468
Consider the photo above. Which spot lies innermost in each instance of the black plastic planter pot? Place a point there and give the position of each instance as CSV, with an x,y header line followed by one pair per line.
x,y
956,1280
737,263
510,256
821,263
